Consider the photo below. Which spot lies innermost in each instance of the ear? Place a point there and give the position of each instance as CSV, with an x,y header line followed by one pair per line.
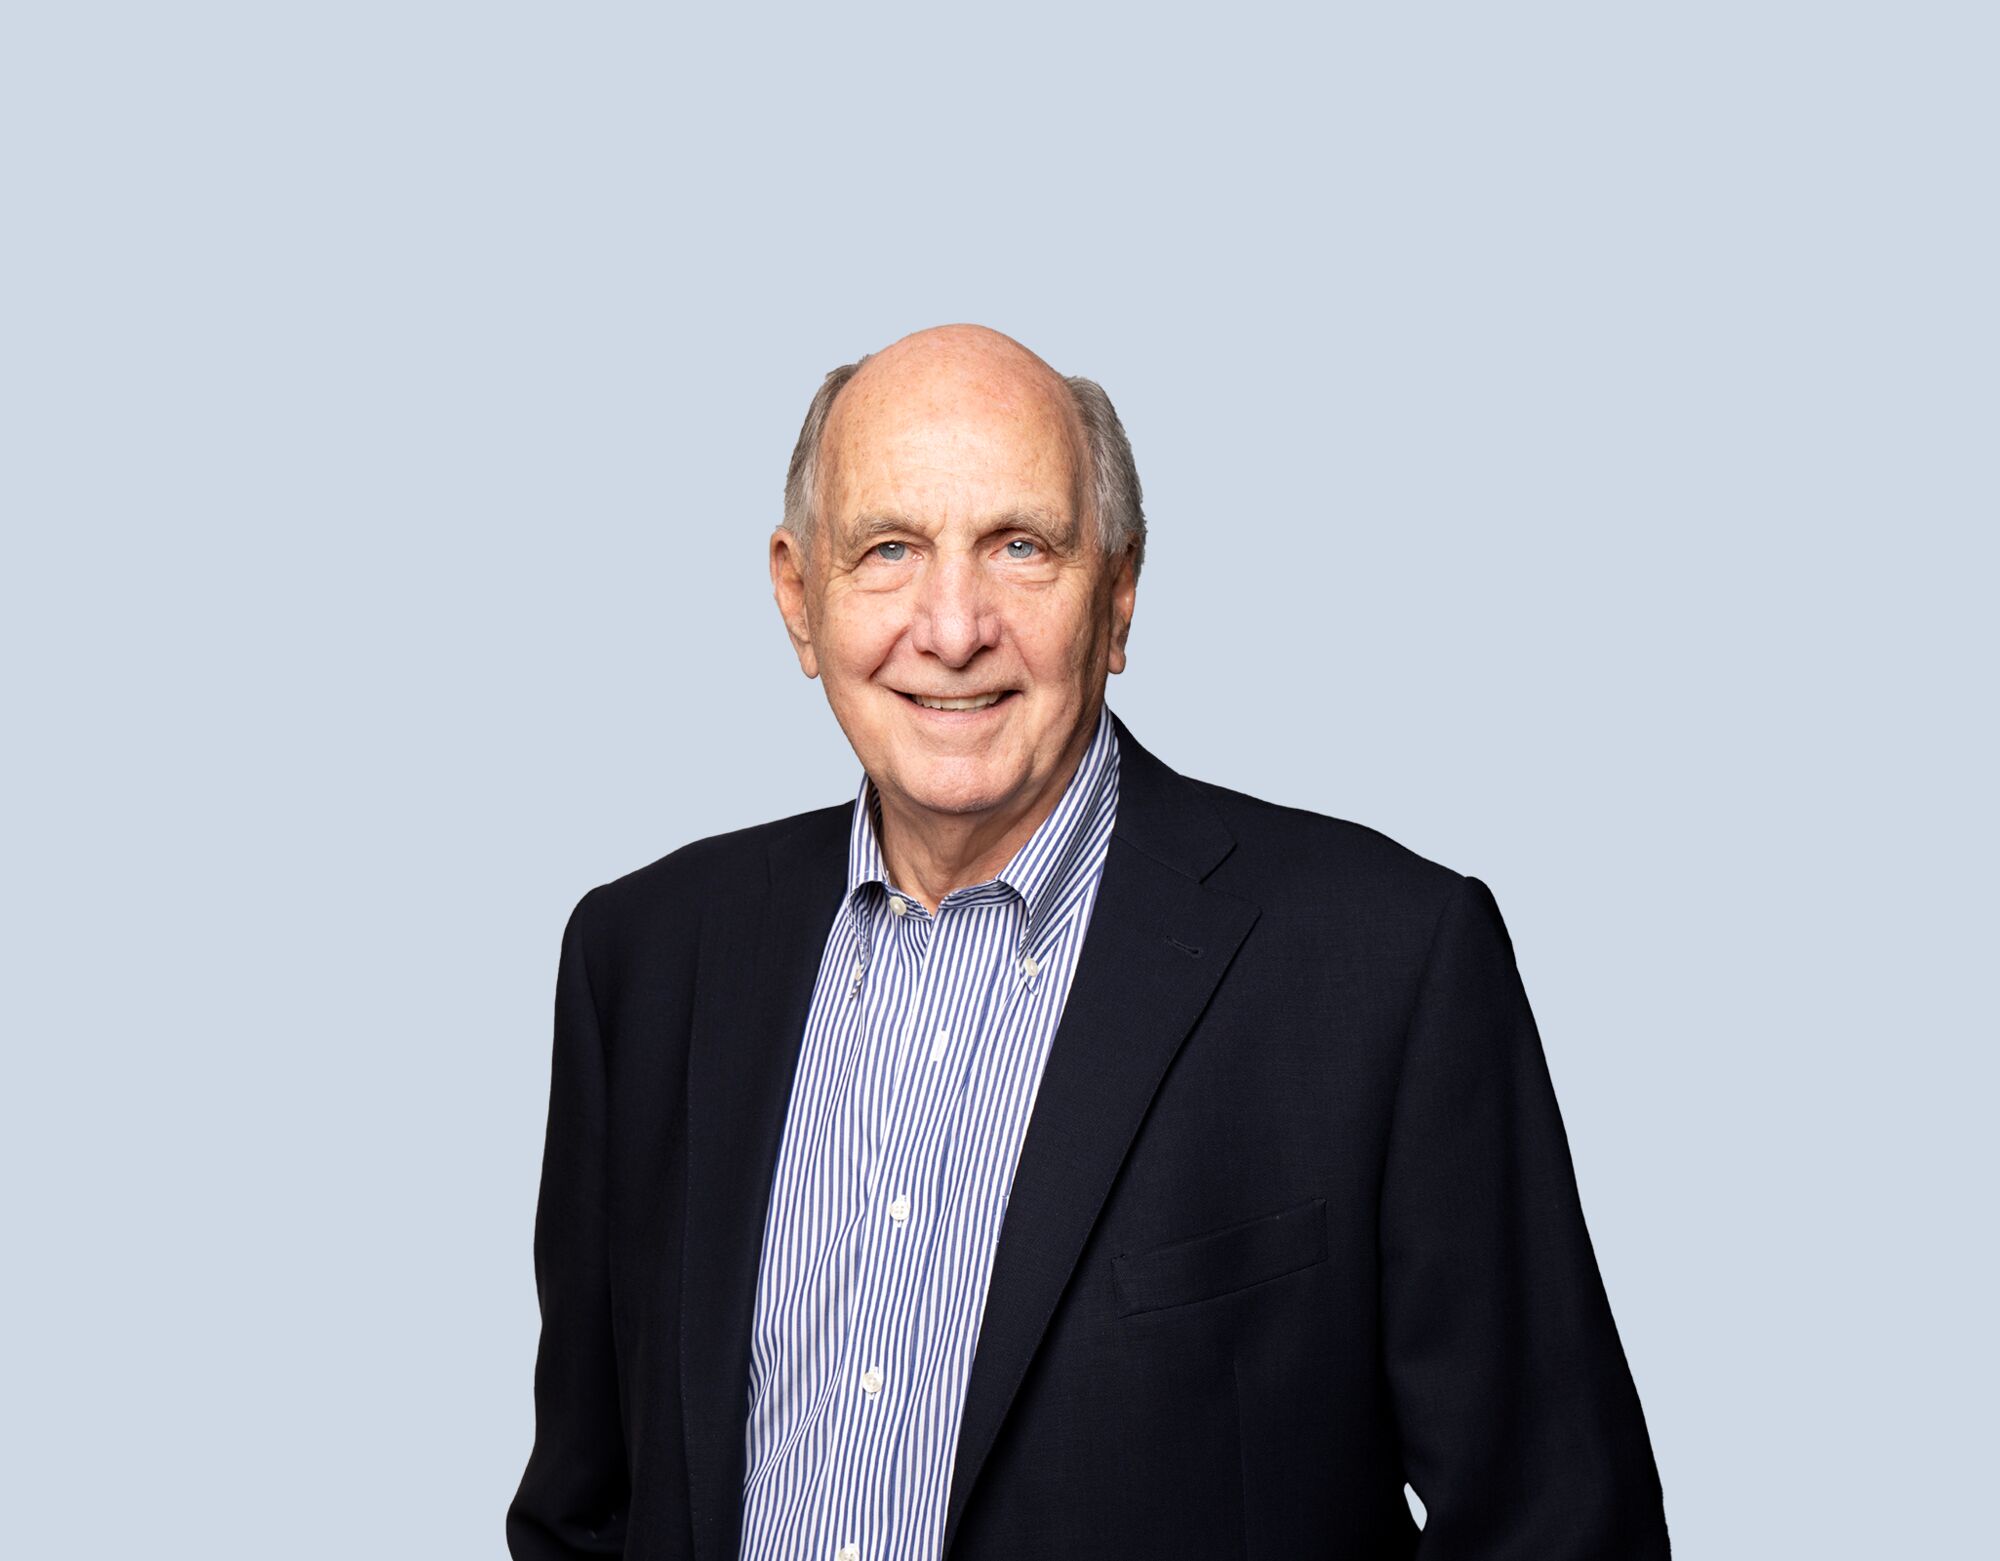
x,y
790,587
1124,597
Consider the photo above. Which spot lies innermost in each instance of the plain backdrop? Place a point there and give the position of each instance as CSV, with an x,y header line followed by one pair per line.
x,y
1568,435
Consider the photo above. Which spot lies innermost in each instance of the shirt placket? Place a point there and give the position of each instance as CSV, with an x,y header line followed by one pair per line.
x,y
873,1365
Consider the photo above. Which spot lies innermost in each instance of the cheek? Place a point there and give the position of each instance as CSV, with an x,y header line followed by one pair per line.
x,y
860,632
1057,644
1073,639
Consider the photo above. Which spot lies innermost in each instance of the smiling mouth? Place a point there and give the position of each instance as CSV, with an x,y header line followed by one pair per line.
x,y
969,702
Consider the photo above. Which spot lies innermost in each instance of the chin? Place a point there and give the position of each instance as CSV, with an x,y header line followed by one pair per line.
x,y
954,788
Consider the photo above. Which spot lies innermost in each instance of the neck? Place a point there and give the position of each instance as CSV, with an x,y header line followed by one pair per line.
x,y
929,854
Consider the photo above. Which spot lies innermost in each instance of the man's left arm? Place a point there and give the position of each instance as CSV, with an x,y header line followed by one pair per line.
x,y
1520,1426
573,1498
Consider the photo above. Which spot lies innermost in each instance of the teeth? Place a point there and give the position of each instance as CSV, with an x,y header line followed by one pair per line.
x,y
979,703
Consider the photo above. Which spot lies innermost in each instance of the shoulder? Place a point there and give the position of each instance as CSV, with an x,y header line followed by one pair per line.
x,y
665,899
1294,856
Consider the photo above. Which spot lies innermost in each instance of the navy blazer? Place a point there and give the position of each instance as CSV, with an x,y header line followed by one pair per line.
x,y
1294,1221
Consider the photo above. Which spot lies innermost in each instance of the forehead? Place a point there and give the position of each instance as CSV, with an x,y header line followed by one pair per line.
x,y
947,440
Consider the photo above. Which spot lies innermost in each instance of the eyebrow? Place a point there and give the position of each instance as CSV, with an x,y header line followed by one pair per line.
x,y
1060,529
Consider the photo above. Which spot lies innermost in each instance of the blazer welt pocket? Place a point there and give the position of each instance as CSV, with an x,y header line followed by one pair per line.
x,y
1219,1261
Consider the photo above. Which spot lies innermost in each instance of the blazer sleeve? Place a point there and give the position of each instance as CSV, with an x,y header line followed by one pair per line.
x,y
1520,1428
573,1498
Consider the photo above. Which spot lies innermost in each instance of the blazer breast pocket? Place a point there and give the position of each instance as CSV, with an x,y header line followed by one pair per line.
x,y
1217,1262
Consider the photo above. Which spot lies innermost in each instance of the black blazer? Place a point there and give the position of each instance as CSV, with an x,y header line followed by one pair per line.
x,y
1294,1221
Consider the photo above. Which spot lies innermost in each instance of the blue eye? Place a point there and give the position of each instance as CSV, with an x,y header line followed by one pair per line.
x,y
885,557
1020,542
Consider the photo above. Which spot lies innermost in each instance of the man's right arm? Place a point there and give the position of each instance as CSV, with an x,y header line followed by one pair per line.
x,y
574,1497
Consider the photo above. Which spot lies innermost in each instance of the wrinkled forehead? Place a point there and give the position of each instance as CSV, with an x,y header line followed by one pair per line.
x,y
952,435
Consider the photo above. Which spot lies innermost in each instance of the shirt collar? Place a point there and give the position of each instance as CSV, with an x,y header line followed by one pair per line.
x,y
1045,861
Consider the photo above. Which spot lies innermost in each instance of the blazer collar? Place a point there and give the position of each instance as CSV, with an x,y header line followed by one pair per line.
x,y
1159,941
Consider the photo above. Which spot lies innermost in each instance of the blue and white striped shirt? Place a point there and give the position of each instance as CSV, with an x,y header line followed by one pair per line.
x,y
922,1055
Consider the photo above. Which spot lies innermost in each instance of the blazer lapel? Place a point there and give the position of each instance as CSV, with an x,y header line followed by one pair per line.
x,y
1157,945
757,973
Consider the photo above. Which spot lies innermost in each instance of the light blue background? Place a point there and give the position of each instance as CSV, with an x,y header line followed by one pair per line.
x,y
1568,434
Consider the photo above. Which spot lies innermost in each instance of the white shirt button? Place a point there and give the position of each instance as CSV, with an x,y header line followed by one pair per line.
x,y
937,1046
900,1209
1029,966
847,1553
898,904
871,1381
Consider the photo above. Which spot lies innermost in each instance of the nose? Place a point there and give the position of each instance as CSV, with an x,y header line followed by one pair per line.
x,y
955,615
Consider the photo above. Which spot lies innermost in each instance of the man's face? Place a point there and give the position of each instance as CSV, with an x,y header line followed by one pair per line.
x,y
955,561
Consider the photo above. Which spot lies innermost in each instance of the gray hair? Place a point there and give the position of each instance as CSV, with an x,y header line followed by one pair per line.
x,y
1116,500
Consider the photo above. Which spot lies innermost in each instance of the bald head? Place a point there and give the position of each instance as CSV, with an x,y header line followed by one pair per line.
x,y
960,370
945,395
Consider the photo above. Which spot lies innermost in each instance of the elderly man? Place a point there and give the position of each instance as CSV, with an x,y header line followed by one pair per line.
x,y
1045,1153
